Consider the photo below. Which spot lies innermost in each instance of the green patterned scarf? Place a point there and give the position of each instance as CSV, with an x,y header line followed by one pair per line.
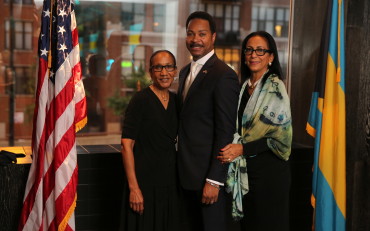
x,y
267,115
237,184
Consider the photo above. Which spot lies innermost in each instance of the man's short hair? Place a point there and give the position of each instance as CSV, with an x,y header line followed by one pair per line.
x,y
202,15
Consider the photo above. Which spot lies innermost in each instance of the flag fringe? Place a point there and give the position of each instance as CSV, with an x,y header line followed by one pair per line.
x,y
64,223
311,130
313,201
80,124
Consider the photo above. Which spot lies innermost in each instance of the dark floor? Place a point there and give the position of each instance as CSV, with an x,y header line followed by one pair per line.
x,y
101,178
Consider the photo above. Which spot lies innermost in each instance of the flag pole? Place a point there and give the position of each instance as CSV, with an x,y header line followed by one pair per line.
x,y
50,35
11,76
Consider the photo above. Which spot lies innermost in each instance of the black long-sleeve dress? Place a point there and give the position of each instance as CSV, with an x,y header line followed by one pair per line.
x,y
154,130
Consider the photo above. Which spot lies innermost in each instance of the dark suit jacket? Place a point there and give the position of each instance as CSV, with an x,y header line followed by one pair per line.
x,y
207,121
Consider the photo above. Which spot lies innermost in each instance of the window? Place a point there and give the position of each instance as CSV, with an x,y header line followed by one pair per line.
x,y
25,80
22,35
230,56
25,2
232,18
132,13
274,20
158,18
227,18
225,15
116,40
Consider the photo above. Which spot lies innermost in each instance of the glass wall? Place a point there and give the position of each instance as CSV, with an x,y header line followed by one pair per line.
x,y
116,39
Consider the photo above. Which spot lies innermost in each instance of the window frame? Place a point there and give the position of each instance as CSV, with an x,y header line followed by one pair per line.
x,y
22,34
22,80
20,2
259,21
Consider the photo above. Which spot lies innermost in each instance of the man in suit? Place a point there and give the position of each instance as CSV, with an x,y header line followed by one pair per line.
x,y
207,98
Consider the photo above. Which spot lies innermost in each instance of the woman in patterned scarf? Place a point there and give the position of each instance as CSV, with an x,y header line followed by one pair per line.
x,y
258,156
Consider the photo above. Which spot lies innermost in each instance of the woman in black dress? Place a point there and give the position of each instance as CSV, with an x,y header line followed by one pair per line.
x,y
262,143
149,154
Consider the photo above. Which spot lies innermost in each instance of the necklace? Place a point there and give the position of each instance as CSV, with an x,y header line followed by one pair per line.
x,y
164,98
252,86
161,96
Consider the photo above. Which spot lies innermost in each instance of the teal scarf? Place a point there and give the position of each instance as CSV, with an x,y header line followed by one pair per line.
x,y
237,184
267,115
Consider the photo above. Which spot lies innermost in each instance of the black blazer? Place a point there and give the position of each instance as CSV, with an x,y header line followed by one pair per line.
x,y
207,120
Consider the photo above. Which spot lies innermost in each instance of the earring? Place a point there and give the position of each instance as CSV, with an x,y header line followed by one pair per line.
x,y
270,64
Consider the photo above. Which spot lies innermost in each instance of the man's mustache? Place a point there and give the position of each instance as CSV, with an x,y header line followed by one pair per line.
x,y
195,45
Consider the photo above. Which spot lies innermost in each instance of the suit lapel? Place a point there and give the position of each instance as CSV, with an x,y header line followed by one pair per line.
x,y
201,75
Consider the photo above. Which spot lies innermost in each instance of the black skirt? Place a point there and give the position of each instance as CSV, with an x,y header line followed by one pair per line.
x,y
161,208
266,205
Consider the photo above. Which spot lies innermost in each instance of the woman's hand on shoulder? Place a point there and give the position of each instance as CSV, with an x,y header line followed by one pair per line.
x,y
136,200
230,152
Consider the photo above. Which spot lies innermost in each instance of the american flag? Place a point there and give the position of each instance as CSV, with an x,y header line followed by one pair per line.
x,y
60,111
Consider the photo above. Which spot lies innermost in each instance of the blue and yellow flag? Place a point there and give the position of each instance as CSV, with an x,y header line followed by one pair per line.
x,y
327,124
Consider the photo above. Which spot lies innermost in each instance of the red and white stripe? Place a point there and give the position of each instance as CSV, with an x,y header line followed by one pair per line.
x,y
50,195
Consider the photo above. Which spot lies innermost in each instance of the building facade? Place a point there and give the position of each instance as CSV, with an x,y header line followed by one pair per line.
x,y
116,40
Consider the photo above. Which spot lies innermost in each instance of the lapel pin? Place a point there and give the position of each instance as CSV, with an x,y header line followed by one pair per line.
x,y
205,72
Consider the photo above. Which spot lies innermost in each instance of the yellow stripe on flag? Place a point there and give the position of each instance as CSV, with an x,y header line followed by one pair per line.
x,y
332,152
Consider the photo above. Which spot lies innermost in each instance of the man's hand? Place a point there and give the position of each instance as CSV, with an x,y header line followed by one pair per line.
x,y
210,194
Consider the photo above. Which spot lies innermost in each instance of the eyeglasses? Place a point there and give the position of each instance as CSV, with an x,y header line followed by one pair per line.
x,y
159,68
259,51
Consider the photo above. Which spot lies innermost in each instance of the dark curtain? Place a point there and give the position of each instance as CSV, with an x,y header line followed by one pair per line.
x,y
358,114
